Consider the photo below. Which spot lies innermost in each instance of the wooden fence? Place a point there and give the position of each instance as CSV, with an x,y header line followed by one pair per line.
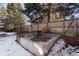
x,y
68,26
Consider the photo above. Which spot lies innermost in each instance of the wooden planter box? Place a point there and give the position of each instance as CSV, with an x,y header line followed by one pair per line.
x,y
39,48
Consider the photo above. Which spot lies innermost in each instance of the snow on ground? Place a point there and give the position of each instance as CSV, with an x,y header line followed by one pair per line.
x,y
59,49
9,47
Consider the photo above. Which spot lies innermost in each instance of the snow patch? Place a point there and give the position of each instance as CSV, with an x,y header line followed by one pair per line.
x,y
9,47
59,49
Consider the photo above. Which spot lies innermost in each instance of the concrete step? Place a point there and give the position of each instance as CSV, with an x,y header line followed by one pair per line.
x,y
1,26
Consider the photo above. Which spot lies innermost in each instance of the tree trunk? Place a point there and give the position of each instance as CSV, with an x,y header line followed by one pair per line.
x,y
76,29
38,26
48,20
31,27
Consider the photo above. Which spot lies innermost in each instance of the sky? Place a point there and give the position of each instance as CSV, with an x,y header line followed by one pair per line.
x,y
3,5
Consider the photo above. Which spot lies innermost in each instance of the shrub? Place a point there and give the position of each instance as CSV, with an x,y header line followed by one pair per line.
x,y
10,27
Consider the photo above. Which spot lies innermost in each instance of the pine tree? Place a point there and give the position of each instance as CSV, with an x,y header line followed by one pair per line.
x,y
15,18
3,13
33,11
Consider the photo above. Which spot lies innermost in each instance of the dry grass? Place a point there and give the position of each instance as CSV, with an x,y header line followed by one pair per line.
x,y
71,40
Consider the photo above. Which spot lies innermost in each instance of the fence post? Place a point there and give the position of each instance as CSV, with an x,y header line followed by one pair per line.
x,y
63,26
76,29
